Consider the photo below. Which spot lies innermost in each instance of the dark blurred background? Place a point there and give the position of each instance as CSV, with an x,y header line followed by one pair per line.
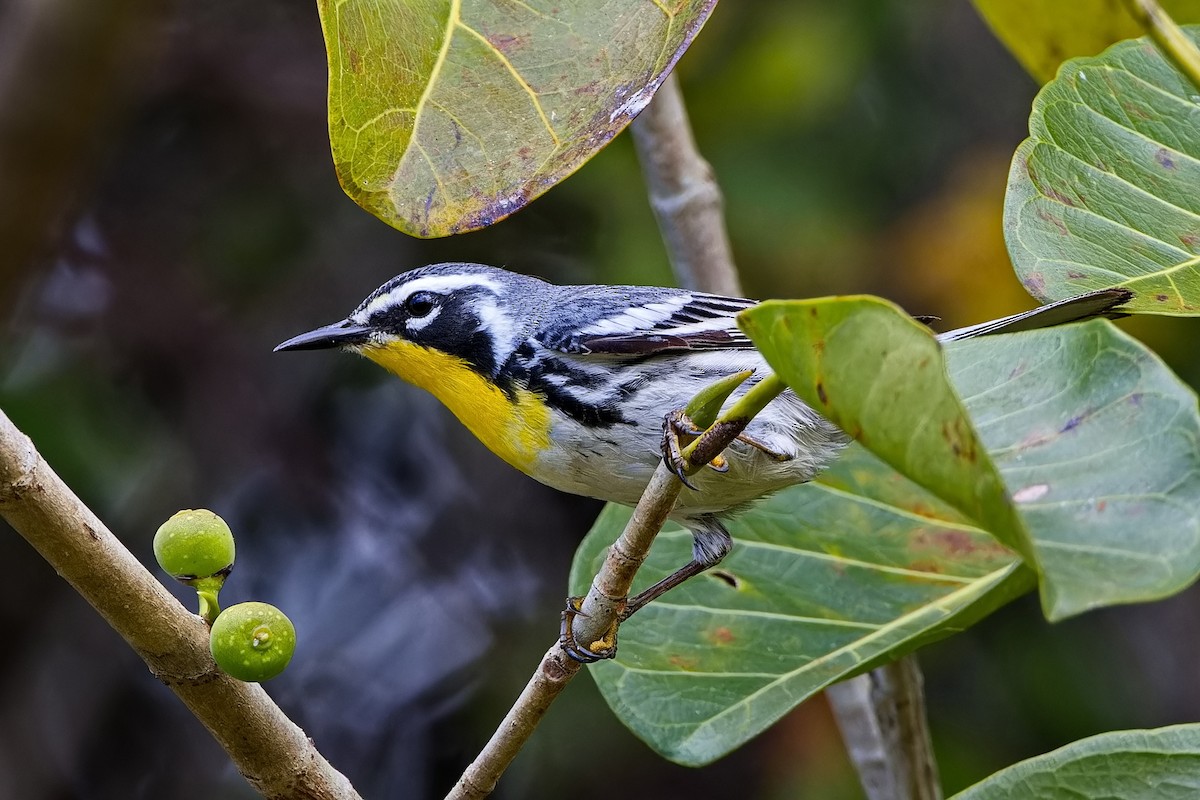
x,y
169,213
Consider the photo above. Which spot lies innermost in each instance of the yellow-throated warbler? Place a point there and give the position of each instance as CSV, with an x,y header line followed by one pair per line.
x,y
571,384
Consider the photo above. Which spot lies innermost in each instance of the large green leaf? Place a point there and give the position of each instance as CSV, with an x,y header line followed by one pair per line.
x,y
1095,393
1161,764
1099,445
1042,33
448,115
1097,441
1103,192
826,580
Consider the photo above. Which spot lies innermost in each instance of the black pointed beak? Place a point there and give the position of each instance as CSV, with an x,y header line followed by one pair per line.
x,y
339,334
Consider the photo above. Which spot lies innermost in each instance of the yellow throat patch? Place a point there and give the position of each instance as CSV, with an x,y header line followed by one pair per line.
x,y
516,430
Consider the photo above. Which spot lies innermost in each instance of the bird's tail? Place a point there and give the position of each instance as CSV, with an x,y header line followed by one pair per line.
x,y
1101,303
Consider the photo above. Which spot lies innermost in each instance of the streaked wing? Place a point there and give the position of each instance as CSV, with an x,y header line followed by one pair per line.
x,y
1103,302
642,321
657,323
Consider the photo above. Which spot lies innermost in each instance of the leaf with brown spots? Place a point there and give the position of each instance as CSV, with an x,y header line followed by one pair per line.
x,y
448,115
830,577
882,376
1099,445
1100,392
1103,192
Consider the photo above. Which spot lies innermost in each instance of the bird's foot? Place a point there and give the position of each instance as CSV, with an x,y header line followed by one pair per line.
x,y
676,427
602,648
678,432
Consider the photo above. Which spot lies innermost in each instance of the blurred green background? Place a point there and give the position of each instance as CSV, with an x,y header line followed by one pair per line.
x,y
169,213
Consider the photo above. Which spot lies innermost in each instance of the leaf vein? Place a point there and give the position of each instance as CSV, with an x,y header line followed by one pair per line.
x,y
757,614
932,577
944,604
508,65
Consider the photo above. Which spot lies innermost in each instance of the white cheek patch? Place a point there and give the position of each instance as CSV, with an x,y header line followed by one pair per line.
x,y
498,324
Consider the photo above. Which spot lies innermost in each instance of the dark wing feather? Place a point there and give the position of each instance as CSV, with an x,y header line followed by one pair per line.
x,y
646,322
628,345
649,343
642,321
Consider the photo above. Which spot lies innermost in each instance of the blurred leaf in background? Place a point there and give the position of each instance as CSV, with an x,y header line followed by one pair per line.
x,y
1044,33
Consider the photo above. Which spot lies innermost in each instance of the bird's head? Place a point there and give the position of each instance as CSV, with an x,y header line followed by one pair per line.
x,y
427,320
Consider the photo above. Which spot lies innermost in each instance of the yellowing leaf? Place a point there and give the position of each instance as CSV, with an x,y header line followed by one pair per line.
x,y
448,115
1044,33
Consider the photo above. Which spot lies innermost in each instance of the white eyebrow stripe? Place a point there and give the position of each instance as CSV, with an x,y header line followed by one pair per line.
x,y
441,284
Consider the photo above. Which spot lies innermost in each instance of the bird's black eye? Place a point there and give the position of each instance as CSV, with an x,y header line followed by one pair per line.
x,y
419,304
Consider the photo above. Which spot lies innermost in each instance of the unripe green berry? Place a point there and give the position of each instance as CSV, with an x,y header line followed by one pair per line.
x,y
253,642
194,544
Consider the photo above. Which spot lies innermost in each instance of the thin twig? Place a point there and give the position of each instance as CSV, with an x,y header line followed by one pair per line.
x,y
882,719
684,195
556,670
605,600
606,596
268,749
1169,37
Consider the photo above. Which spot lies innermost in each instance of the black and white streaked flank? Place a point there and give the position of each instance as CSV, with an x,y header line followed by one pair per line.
x,y
604,365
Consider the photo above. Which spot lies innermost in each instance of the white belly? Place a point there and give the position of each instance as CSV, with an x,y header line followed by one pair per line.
x,y
615,463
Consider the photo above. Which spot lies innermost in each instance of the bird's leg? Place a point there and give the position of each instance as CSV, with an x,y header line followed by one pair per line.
x,y
710,543
755,443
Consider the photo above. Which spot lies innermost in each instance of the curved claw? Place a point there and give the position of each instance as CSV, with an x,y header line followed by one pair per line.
x,y
676,468
676,424
576,651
